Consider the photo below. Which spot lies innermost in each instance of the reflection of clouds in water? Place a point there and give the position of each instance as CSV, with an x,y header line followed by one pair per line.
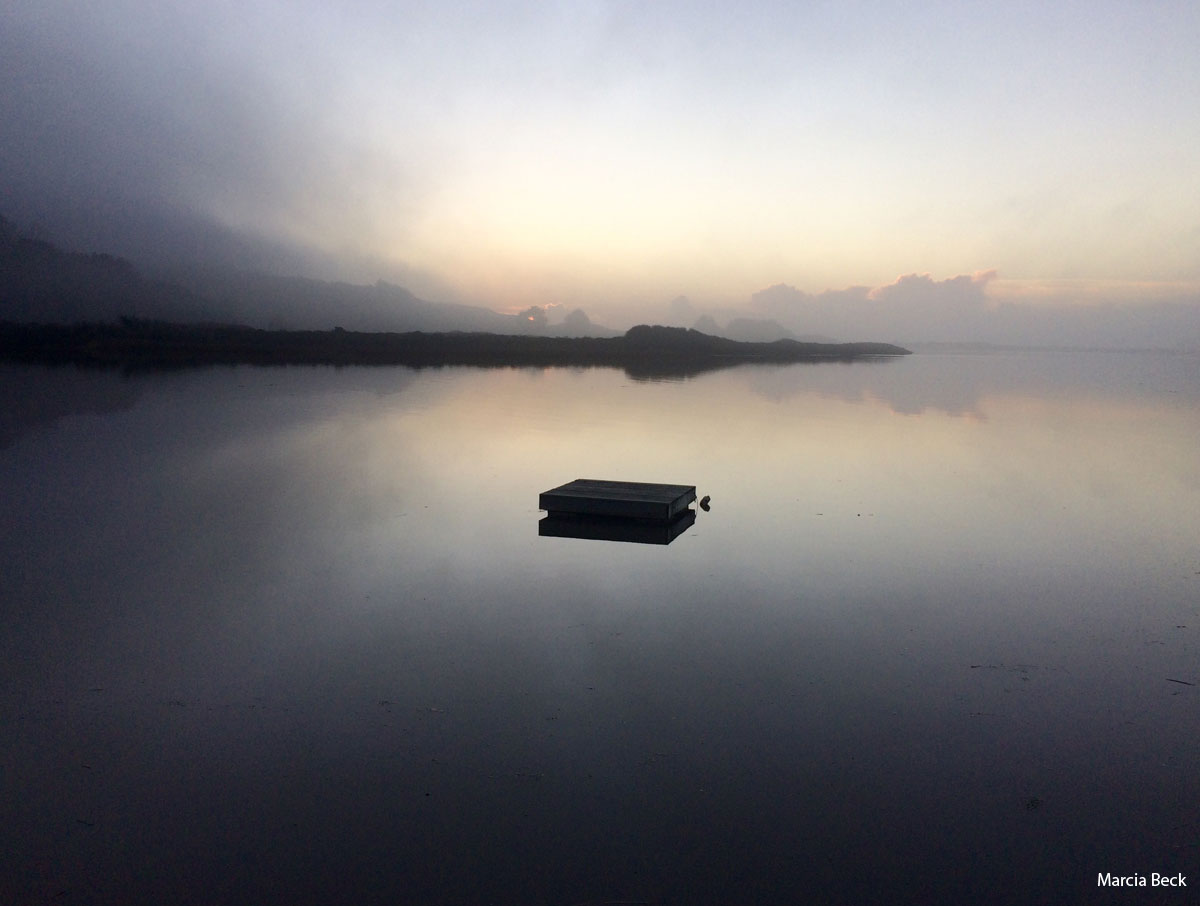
x,y
958,384
337,575
894,382
198,493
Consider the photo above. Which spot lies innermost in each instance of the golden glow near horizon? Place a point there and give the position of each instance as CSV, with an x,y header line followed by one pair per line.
x,y
612,156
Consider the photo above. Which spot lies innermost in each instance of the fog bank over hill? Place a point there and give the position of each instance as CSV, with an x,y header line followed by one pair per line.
x,y
39,281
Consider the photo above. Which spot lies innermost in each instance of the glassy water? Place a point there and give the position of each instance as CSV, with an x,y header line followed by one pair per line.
x,y
291,635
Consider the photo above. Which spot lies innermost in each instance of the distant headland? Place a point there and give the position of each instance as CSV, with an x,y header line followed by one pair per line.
x,y
136,344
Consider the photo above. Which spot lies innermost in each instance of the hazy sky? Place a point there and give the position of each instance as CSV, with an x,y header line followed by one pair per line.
x,y
596,153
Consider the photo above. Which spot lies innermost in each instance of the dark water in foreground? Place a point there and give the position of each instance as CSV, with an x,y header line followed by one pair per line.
x,y
292,636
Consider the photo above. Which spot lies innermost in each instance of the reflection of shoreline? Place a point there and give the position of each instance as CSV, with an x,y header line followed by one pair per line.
x,y
648,351
958,384
34,396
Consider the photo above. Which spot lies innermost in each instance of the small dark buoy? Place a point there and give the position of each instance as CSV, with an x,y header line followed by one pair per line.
x,y
704,502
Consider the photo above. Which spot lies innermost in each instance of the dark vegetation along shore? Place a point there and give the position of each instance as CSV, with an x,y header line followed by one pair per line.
x,y
134,344
97,310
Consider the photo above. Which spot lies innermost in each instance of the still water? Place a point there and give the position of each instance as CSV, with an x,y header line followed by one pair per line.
x,y
291,635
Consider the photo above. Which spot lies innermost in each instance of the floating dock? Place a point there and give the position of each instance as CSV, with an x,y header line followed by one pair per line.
x,y
619,499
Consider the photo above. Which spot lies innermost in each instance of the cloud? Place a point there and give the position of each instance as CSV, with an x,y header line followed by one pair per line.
x,y
915,305
917,308
923,289
171,133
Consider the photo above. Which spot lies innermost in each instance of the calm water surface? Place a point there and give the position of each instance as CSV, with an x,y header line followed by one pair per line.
x,y
290,635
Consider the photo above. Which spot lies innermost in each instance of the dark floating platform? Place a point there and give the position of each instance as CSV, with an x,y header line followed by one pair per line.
x,y
601,510
614,528
621,499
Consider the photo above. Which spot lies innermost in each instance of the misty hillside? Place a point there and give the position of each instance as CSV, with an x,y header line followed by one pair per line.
x,y
40,282
299,303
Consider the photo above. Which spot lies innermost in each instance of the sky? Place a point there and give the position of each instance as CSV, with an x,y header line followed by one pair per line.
x,y
616,155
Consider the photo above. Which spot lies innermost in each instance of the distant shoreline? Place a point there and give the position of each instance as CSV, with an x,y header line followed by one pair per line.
x,y
134,344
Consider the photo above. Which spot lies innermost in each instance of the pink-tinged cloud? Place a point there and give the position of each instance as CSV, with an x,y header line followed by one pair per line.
x,y
922,287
